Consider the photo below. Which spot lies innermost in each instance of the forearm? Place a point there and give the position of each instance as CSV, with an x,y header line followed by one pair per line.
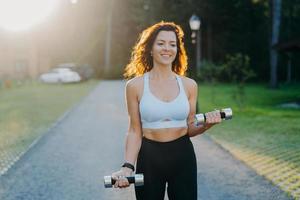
x,y
197,130
133,145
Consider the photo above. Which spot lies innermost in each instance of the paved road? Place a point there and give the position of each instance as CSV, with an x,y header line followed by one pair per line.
x,y
69,162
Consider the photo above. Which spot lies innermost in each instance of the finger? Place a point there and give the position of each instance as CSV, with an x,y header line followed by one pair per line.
x,y
211,118
120,184
116,184
208,119
123,184
114,177
219,118
126,182
216,114
213,114
207,116
120,180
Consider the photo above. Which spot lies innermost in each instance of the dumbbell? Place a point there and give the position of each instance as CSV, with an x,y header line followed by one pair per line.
x,y
137,179
226,114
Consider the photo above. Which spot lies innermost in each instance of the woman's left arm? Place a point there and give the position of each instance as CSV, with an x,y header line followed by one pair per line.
x,y
212,118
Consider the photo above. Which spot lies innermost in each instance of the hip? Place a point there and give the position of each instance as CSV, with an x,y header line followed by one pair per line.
x,y
177,154
179,147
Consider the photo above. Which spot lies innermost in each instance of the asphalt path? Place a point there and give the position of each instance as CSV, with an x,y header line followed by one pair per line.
x,y
70,160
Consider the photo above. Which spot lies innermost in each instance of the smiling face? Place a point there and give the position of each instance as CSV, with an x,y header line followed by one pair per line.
x,y
164,48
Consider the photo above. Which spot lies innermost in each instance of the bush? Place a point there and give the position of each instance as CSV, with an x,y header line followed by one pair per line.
x,y
210,72
237,69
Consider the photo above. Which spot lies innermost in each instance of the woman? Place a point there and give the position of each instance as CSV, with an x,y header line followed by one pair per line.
x,y
161,105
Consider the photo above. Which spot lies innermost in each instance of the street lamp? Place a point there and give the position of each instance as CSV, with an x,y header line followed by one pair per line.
x,y
195,27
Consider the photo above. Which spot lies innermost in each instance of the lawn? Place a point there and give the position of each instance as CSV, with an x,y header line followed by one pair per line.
x,y
261,134
27,110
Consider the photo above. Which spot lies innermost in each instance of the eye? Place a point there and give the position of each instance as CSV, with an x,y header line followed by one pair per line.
x,y
160,43
173,45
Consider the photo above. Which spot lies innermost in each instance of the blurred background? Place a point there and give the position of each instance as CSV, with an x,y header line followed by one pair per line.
x,y
101,34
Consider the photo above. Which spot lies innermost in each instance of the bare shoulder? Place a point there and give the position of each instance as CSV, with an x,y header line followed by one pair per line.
x,y
189,84
135,85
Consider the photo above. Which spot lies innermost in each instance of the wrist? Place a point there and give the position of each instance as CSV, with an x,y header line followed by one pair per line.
x,y
127,170
128,165
206,126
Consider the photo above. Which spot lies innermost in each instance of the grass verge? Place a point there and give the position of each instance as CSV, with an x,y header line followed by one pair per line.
x,y
263,135
27,110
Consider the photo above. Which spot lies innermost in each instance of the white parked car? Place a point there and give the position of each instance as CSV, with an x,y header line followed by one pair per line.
x,y
60,75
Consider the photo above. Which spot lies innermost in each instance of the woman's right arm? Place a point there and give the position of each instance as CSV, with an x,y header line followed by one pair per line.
x,y
134,134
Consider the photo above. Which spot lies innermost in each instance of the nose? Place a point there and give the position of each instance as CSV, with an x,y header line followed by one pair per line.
x,y
166,47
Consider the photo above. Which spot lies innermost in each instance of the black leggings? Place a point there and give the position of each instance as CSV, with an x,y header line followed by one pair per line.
x,y
171,162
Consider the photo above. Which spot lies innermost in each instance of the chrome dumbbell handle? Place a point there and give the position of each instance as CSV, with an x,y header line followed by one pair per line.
x,y
137,179
226,114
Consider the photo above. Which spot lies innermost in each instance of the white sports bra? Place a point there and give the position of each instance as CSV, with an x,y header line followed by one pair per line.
x,y
156,114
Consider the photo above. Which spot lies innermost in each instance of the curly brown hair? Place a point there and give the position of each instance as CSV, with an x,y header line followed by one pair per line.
x,y
141,60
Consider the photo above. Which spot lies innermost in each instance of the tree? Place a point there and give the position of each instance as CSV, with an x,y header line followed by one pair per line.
x,y
275,5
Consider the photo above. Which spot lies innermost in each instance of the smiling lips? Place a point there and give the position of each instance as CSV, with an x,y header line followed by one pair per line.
x,y
166,55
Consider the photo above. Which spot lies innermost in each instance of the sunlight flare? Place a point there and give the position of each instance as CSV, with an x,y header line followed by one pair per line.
x,y
16,15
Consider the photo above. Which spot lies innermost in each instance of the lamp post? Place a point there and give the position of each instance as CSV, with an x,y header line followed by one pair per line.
x,y
195,27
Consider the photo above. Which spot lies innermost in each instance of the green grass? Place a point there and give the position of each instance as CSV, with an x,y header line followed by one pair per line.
x,y
260,133
28,110
260,121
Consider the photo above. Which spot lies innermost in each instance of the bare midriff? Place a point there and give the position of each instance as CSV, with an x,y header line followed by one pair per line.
x,y
164,134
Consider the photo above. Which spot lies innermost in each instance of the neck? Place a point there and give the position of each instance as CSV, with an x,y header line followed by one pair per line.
x,y
162,73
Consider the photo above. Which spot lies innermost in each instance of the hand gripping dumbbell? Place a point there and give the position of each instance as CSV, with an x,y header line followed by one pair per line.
x,y
137,179
200,119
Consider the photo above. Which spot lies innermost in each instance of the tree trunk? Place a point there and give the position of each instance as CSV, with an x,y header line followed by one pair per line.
x,y
209,42
276,20
289,69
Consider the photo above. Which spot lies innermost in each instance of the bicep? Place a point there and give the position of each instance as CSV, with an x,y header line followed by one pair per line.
x,y
133,109
193,95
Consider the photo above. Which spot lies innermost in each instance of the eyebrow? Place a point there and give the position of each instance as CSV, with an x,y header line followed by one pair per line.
x,y
164,40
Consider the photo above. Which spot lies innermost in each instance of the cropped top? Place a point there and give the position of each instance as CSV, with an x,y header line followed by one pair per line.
x,y
156,114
